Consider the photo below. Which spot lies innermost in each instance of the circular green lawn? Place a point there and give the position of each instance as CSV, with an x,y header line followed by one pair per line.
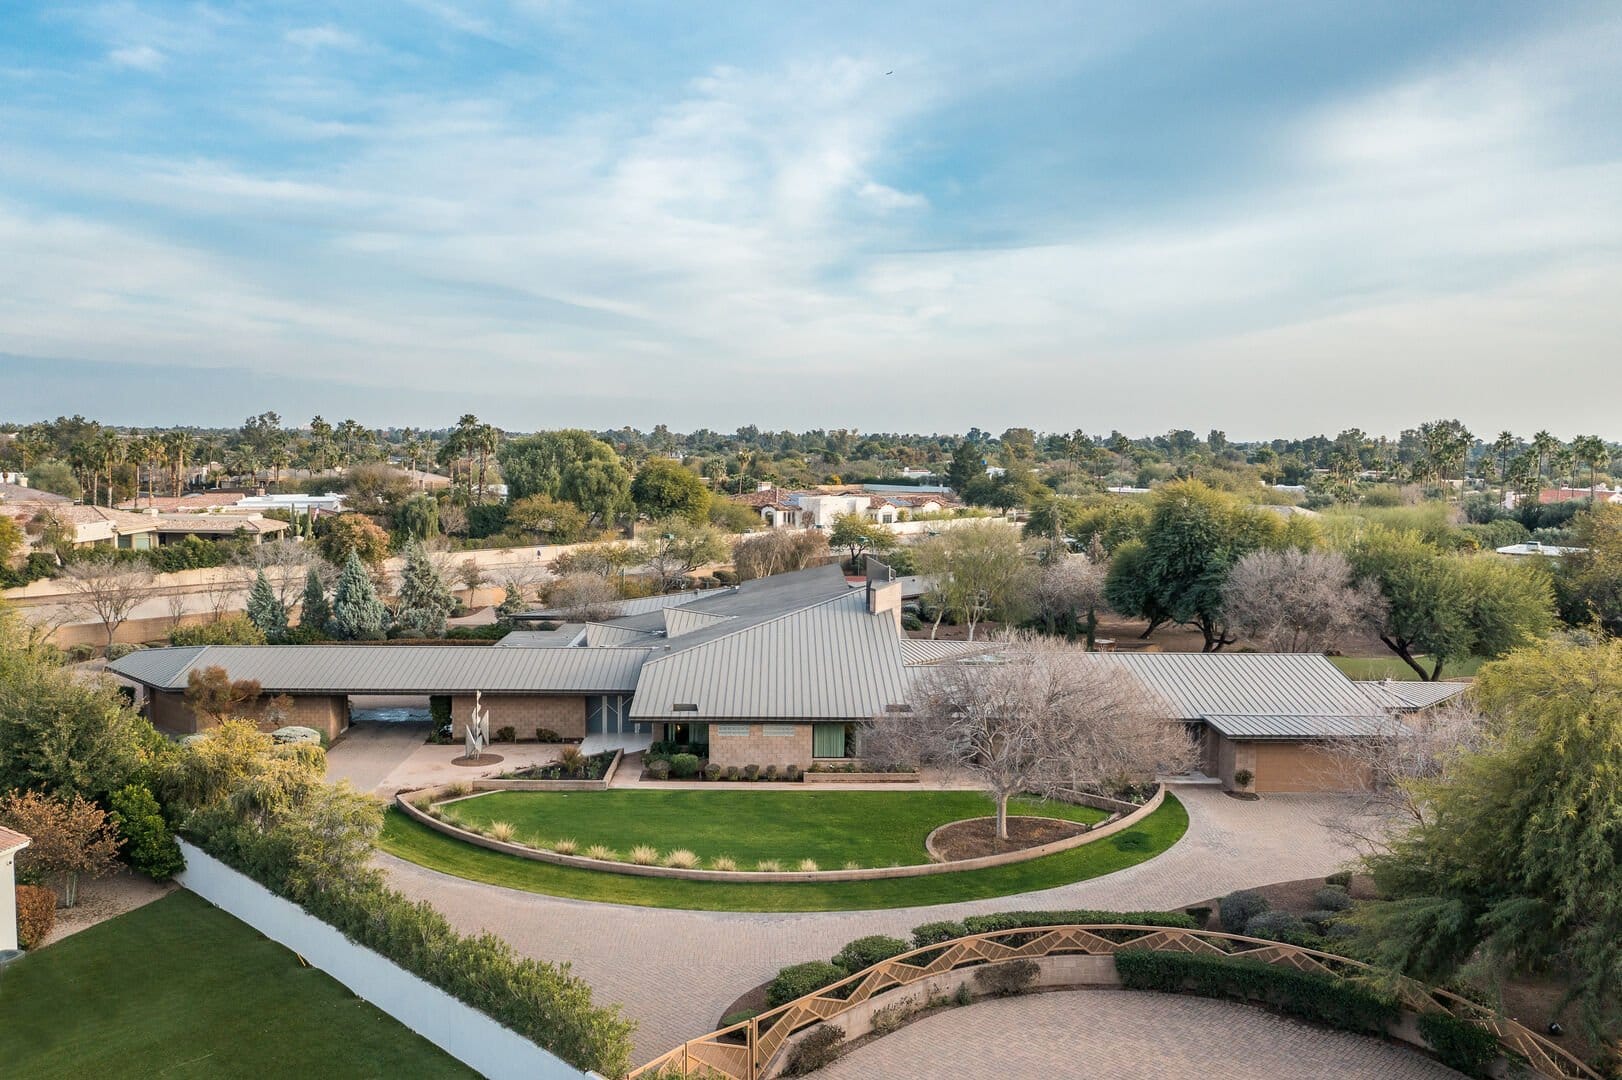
x,y
833,828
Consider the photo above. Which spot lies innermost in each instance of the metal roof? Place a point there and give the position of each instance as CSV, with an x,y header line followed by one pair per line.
x,y
1408,695
603,635
1253,727
640,605
565,635
1196,685
831,661
396,669
684,620
917,651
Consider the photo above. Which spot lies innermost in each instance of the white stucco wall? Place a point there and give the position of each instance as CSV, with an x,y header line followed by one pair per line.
x,y
460,1030
8,902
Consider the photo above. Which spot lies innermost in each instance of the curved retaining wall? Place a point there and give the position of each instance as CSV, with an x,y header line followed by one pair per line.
x,y
873,873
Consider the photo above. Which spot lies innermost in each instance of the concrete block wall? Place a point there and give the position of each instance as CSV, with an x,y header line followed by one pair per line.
x,y
524,713
760,749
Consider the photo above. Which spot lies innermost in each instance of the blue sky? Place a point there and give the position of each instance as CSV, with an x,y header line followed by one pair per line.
x,y
1269,218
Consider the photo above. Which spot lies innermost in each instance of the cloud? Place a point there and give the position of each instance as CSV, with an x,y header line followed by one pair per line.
x,y
138,57
323,37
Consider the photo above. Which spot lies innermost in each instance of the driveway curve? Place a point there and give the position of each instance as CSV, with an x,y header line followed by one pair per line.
x,y
676,971
1125,1035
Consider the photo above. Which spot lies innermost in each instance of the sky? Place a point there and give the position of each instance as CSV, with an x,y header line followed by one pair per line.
x,y
1275,219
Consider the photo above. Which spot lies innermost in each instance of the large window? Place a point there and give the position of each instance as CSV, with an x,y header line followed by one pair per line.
x,y
609,714
829,740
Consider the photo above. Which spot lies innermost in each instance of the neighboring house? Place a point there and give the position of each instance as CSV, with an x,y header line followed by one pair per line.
x,y
819,508
914,472
13,492
1534,547
103,527
199,502
426,481
1546,496
10,843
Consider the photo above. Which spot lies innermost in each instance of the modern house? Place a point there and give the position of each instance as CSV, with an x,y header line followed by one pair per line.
x,y
819,508
103,527
784,670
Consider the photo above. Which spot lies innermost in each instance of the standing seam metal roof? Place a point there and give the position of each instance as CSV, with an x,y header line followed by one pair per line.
x,y
1194,685
1254,727
399,669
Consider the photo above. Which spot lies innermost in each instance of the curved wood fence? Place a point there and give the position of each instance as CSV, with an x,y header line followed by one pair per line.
x,y
746,1051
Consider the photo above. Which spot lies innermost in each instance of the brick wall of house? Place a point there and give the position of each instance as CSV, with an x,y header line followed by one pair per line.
x,y
168,711
524,713
760,749
1304,766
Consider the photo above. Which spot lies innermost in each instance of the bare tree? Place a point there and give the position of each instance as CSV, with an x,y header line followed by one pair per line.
x,y
284,562
221,590
583,597
1416,749
778,551
106,589
174,601
1068,591
1295,601
1040,716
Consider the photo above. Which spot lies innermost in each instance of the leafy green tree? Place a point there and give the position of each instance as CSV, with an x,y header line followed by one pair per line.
x,y
664,488
12,542
1588,582
148,845
1516,866
424,599
980,573
859,536
357,613
968,465
265,611
549,519
1193,538
676,547
572,465
417,517
60,734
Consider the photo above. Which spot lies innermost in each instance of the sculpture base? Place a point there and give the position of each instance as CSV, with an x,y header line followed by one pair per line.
x,y
482,759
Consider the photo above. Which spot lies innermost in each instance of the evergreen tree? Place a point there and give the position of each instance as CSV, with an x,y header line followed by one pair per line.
x,y
424,598
264,610
512,602
315,612
357,613
968,465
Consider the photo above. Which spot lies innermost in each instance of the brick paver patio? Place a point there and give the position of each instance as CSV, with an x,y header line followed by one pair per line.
x,y
676,971
1124,1035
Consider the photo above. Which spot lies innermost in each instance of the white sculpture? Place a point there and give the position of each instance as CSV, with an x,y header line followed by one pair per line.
x,y
478,728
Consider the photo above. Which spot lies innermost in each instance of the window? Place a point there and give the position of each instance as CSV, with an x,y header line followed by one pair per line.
x,y
777,730
732,731
828,740
684,706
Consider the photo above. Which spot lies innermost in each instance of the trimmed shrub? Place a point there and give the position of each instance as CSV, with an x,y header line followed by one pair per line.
x,y
36,915
1332,898
1322,999
148,845
1013,920
820,1048
933,933
1243,777
547,735
731,772
1319,921
1238,908
1200,915
864,952
645,855
712,771
231,630
1277,926
684,766
1461,1045
751,772
1343,878
120,649
769,773
81,652
505,733
659,770
682,859
798,980
791,772
1007,979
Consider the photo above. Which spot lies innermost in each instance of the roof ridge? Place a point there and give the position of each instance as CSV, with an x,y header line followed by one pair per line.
x,y
753,626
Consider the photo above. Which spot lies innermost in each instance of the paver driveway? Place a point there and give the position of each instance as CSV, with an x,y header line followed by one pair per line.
x,y
676,971
1125,1035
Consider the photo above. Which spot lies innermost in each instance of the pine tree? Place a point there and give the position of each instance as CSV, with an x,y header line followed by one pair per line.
x,y
424,599
264,610
512,602
315,612
357,613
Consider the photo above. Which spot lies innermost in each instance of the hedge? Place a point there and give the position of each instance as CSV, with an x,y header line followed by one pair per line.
x,y
36,915
1469,1048
798,980
543,1002
1322,999
864,952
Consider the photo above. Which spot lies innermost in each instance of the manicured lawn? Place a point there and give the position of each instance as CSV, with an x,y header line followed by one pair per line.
x,y
180,989
869,828
418,843
1392,667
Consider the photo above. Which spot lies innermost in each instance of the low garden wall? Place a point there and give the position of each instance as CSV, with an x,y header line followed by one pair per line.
x,y
809,777
498,784
872,873
460,1030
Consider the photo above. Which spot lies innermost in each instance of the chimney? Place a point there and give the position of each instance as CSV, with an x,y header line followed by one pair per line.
x,y
883,591
763,485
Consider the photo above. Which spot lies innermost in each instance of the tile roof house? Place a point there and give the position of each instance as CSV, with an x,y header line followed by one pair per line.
x,y
817,508
101,526
11,842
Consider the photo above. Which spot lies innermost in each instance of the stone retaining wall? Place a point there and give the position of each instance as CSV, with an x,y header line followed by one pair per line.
x,y
874,873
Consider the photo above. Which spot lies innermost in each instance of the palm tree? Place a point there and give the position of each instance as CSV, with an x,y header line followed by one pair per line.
x,y
176,446
1502,447
110,450
1543,444
147,450
1591,451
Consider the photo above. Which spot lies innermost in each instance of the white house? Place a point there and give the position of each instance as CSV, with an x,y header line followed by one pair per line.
x,y
10,843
